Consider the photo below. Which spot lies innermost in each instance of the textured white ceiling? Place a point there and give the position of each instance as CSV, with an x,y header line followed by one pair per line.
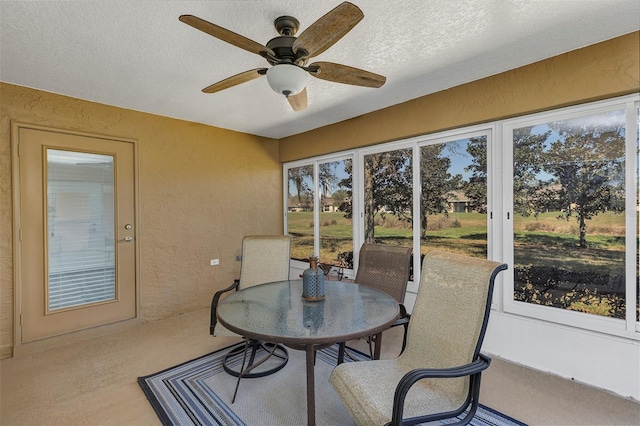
x,y
137,55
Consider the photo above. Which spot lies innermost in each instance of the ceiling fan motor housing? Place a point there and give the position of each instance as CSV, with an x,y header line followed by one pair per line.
x,y
282,47
287,79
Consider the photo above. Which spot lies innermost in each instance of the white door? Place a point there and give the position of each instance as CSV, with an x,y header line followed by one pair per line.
x,y
77,228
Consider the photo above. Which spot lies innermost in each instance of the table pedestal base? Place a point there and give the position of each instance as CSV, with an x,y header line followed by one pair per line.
x,y
311,386
310,351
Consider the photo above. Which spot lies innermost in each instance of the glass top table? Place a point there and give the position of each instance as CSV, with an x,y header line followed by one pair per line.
x,y
275,312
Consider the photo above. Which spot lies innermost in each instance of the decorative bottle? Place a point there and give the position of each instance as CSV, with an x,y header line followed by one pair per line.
x,y
313,281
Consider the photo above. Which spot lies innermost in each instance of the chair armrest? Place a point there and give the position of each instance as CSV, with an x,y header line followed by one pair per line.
x,y
401,321
409,379
403,311
214,304
403,316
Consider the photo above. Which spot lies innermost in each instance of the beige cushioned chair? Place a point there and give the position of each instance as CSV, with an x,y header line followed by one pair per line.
x,y
265,258
438,374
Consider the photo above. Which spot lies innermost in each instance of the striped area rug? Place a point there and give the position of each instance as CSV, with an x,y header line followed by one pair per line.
x,y
198,392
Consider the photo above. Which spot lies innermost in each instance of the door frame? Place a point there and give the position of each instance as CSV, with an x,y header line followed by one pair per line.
x,y
25,348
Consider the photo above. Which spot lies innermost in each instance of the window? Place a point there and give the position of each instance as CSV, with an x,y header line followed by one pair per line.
x,y
388,197
319,212
80,237
336,224
569,223
637,206
453,200
555,195
570,247
300,211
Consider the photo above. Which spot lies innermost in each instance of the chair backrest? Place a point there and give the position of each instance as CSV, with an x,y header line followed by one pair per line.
x,y
385,268
451,311
265,258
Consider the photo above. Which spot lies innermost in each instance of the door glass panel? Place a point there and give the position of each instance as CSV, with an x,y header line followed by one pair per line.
x,y
569,221
336,226
453,205
80,231
300,221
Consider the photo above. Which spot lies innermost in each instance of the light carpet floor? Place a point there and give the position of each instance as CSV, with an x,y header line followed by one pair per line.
x,y
94,382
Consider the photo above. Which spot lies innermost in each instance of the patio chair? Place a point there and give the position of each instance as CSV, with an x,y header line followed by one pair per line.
x,y
438,375
265,258
385,268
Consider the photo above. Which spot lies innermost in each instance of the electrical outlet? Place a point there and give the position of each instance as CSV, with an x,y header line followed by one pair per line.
x,y
214,262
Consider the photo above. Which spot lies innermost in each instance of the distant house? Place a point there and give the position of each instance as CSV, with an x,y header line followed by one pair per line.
x,y
458,202
293,205
329,205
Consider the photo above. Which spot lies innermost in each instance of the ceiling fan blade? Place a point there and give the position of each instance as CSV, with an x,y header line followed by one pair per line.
x,y
243,77
225,35
347,75
298,102
327,30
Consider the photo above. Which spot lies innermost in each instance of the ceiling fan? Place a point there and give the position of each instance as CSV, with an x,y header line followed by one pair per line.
x,y
289,55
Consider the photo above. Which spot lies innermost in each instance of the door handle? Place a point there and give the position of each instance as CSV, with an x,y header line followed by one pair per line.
x,y
127,239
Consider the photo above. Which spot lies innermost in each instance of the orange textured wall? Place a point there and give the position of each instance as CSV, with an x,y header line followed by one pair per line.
x,y
603,70
201,189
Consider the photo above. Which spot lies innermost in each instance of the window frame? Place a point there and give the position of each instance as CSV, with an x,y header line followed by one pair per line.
x,y
614,326
493,202
315,162
359,196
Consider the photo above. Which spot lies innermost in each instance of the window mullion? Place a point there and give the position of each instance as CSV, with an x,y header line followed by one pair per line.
x,y
417,197
631,187
316,208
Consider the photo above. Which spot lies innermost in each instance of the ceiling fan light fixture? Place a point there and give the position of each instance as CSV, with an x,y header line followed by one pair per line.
x,y
287,79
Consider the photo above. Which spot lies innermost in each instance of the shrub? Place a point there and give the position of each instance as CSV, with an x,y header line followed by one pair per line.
x,y
394,222
439,223
330,244
539,285
346,259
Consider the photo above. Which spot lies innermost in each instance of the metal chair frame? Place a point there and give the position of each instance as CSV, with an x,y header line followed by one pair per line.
x,y
255,270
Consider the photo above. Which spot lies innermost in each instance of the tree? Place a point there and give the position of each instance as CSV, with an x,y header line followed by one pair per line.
x,y
437,183
300,177
476,188
327,176
588,161
326,179
529,196
302,180
387,187
346,204
341,196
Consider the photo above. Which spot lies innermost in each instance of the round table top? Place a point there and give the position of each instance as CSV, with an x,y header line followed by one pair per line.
x,y
276,312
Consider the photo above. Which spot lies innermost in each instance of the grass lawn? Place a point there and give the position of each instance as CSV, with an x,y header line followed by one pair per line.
x,y
536,240
547,244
